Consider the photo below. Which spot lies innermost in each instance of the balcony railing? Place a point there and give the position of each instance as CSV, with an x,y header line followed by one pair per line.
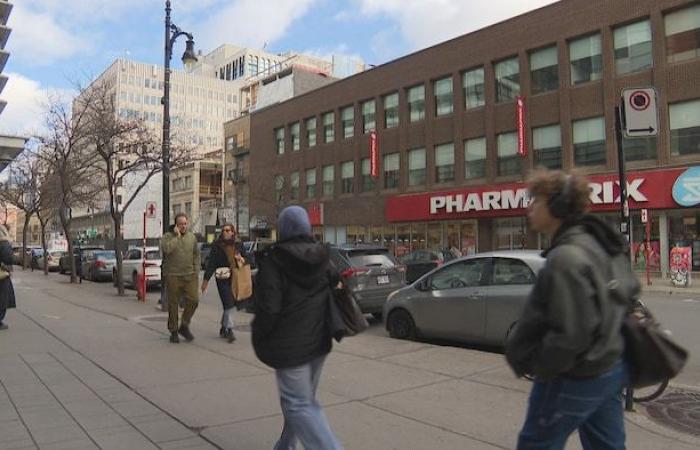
x,y
209,190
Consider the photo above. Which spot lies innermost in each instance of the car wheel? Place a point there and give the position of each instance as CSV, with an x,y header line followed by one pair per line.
x,y
400,325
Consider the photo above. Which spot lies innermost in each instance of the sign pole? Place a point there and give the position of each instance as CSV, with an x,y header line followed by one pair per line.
x,y
648,250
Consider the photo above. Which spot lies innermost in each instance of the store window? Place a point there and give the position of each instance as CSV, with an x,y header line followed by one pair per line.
x,y
311,183
646,253
434,236
403,239
347,176
544,70
473,88
586,59
475,158
509,233
347,116
442,90
328,127
507,79
444,163
356,234
509,162
683,34
368,116
640,148
546,144
294,186
391,110
416,103
368,182
418,231
389,237
684,231
294,134
685,128
279,139
391,171
589,141
328,180
416,167
633,47
311,132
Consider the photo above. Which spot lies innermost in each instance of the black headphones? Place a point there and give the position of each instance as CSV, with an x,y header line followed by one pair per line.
x,y
561,204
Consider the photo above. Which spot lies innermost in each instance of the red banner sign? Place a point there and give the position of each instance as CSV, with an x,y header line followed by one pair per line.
x,y
315,211
373,155
520,113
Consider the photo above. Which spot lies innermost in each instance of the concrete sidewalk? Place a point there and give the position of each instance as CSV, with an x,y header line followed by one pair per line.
x,y
82,368
660,285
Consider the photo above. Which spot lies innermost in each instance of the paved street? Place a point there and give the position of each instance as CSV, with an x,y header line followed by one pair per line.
x,y
83,368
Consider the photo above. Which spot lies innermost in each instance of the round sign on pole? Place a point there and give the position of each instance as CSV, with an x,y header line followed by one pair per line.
x,y
640,100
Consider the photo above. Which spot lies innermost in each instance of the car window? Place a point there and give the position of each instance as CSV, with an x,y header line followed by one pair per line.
x,y
104,255
371,260
459,275
511,271
153,254
338,261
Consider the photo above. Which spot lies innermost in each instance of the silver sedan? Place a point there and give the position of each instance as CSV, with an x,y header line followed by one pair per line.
x,y
475,299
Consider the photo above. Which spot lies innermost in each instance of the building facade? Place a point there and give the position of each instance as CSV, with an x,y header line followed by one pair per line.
x,y
449,172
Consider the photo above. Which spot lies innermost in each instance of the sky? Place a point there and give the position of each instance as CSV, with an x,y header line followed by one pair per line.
x,y
56,43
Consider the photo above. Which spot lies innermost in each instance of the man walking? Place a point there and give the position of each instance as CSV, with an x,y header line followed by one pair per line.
x,y
569,336
182,277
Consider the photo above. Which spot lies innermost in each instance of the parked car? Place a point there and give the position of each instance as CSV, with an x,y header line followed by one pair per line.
x,y
98,264
132,266
420,262
370,272
474,299
64,261
33,254
204,251
53,258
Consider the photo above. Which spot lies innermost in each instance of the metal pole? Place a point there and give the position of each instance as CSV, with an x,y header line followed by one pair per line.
x,y
166,122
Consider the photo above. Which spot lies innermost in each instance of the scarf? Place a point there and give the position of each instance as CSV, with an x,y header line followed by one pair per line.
x,y
230,250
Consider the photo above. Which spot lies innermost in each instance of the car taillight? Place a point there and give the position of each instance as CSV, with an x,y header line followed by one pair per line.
x,y
100,263
354,271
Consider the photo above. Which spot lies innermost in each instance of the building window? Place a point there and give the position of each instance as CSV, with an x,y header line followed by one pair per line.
x,y
368,182
368,116
188,209
310,183
509,162
230,144
444,163
328,180
279,138
638,149
544,70
586,59
294,186
347,116
311,132
416,103
683,34
279,189
442,89
507,79
416,167
391,110
685,128
294,134
347,177
475,158
509,233
391,171
589,141
328,127
473,87
546,144
633,47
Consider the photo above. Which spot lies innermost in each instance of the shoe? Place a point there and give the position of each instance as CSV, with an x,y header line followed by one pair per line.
x,y
222,332
3,326
185,332
230,336
173,337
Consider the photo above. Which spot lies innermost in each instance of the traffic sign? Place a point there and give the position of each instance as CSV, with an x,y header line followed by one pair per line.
x,y
639,106
150,210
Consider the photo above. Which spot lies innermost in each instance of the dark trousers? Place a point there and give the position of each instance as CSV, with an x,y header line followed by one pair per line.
x,y
181,286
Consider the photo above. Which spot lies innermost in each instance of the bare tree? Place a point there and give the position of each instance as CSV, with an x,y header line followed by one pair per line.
x,y
46,206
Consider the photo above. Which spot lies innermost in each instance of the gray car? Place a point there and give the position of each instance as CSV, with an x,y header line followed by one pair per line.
x,y
475,299
98,264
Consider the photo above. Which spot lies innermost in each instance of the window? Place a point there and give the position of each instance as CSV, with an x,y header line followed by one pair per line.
x,y
188,209
230,144
638,149
328,180
685,128
416,103
310,183
509,162
586,59
368,182
294,134
509,233
311,132
475,158
328,127
633,47
279,189
473,87
683,34
469,273
544,70
507,79
391,110
279,139
444,163
416,167
391,171
442,89
347,176
368,116
347,116
294,186
589,141
508,271
546,144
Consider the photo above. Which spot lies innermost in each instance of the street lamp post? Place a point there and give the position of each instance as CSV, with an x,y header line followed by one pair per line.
x,y
172,32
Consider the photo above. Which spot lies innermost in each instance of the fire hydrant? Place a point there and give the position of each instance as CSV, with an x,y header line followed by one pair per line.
x,y
140,287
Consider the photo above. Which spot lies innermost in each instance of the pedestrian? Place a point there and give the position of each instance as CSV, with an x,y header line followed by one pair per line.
x,y
7,291
226,251
569,335
289,329
181,252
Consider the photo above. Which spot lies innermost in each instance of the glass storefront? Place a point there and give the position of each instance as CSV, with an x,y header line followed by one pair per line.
x,y
509,233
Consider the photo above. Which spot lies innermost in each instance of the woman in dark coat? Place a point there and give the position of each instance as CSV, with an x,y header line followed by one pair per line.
x,y
224,252
7,291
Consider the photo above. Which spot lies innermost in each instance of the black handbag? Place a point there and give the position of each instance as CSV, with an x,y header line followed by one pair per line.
x,y
345,318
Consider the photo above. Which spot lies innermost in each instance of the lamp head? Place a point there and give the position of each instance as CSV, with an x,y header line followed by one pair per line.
x,y
189,57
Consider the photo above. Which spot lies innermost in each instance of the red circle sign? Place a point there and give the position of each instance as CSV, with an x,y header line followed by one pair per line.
x,y
639,100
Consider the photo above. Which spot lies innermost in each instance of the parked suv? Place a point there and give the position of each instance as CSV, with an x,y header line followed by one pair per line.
x,y
132,267
370,272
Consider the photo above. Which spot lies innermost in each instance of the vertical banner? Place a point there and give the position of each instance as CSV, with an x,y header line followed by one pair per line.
x,y
681,266
520,114
315,211
373,155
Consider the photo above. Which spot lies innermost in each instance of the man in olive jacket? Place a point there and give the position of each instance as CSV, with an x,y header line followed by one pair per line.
x,y
182,276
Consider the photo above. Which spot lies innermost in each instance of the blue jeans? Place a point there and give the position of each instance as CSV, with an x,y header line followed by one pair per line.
x,y
593,406
303,417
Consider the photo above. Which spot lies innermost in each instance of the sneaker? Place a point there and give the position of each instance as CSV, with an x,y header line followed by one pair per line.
x,y
222,332
230,336
173,337
185,332
3,326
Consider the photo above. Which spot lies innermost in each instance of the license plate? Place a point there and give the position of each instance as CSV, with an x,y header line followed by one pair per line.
x,y
383,279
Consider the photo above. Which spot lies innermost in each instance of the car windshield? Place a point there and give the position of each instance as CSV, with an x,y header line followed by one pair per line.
x,y
153,254
371,259
105,255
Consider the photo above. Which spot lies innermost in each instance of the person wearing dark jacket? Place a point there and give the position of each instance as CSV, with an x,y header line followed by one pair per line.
x,y
225,251
569,335
7,291
289,330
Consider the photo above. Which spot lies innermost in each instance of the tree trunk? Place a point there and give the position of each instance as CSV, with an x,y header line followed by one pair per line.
x,y
43,246
27,217
118,243
65,224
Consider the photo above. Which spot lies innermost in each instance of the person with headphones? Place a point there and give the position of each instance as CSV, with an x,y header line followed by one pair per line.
x,y
569,336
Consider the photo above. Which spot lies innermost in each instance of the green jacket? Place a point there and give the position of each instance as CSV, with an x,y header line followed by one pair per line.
x,y
180,254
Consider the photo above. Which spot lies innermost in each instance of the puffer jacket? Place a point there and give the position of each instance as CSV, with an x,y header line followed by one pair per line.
x,y
571,325
291,301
